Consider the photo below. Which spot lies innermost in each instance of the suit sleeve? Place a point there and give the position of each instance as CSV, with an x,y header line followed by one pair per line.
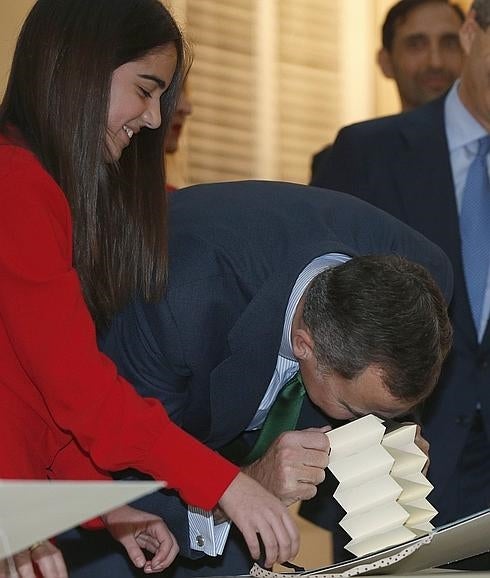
x,y
160,348
157,370
146,362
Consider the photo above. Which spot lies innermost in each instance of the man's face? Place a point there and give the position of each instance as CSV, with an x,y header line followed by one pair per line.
x,y
426,56
474,90
342,398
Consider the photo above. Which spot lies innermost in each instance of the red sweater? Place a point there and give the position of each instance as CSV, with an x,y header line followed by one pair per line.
x,y
65,413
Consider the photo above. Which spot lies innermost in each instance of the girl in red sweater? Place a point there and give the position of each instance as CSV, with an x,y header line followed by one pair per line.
x,y
91,92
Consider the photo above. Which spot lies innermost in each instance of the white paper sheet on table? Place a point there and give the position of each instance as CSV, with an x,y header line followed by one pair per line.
x,y
31,511
456,541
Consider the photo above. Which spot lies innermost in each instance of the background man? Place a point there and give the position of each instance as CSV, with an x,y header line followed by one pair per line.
x,y
429,167
265,279
420,51
175,178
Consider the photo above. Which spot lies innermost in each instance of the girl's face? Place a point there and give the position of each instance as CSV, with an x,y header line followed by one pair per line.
x,y
136,89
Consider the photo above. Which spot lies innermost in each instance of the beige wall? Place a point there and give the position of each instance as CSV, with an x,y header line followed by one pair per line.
x,y
386,95
12,14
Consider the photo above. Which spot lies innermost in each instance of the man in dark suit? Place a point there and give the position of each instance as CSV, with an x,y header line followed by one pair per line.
x,y
416,166
420,51
264,279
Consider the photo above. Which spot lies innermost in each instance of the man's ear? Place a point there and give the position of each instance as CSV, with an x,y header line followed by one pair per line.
x,y
468,31
384,62
302,343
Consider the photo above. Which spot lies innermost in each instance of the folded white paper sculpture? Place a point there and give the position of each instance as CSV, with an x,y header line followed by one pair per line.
x,y
31,511
381,485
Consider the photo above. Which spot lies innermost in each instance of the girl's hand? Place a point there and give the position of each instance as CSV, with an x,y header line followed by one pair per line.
x,y
42,556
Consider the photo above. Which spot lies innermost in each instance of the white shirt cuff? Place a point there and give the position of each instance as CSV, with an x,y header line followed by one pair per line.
x,y
204,535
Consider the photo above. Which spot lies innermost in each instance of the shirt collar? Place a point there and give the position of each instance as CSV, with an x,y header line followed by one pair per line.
x,y
461,127
313,269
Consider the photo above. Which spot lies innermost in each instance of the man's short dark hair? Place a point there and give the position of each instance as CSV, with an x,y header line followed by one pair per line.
x,y
399,12
482,12
384,311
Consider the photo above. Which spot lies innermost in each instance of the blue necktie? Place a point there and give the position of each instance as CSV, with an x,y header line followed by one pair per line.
x,y
475,230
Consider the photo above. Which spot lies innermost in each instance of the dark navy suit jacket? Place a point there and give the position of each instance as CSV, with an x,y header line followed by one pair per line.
x,y
209,348
401,164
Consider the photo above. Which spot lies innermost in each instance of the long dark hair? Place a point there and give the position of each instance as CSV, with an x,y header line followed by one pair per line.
x,y
58,97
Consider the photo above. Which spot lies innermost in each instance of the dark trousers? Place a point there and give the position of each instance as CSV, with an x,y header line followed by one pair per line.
x,y
470,491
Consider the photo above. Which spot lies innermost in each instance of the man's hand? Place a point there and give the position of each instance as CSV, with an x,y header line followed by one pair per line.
x,y
257,513
135,530
293,465
424,445
44,555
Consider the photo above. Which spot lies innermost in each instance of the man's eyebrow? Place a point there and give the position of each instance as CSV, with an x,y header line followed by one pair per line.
x,y
449,36
415,36
379,414
157,80
351,410
388,415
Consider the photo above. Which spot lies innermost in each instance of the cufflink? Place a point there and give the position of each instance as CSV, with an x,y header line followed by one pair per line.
x,y
200,540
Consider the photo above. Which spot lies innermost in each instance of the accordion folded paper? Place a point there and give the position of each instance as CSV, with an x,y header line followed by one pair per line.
x,y
31,511
381,485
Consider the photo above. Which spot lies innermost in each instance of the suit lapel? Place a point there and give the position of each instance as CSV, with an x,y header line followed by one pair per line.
x,y
424,180
243,377
254,341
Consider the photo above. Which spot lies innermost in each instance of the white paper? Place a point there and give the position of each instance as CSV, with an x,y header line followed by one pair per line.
x,y
31,511
356,469
368,495
355,436
381,485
